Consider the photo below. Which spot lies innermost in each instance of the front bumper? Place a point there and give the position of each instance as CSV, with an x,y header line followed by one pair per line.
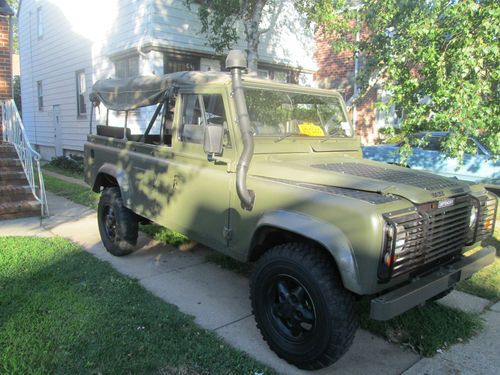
x,y
398,301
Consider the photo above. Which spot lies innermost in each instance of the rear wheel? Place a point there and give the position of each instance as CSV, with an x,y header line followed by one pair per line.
x,y
118,226
300,306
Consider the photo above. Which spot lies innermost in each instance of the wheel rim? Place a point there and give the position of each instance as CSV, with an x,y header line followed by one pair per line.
x,y
291,309
109,221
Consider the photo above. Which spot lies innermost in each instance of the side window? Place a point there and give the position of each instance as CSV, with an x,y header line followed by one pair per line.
x,y
197,111
433,144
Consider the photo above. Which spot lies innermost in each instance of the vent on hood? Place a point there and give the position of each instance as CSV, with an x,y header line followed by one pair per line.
x,y
413,178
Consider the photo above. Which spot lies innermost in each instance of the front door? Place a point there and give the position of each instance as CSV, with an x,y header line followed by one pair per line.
x,y
202,186
56,119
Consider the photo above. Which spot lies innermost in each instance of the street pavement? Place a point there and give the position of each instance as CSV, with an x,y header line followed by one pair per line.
x,y
218,300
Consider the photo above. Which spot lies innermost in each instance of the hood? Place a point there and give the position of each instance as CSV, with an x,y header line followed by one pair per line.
x,y
359,174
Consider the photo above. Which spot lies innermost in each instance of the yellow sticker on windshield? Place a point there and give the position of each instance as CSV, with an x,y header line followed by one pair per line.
x,y
310,129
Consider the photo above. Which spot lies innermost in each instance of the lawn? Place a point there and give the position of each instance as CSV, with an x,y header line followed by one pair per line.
x,y
74,192
64,311
63,171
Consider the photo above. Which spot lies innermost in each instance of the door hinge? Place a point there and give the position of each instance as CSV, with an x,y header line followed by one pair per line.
x,y
227,233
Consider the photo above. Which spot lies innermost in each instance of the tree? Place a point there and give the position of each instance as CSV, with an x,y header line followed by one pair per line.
x,y
14,4
438,59
220,20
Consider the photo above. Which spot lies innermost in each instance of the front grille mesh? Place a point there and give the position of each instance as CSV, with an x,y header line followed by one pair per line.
x,y
430,234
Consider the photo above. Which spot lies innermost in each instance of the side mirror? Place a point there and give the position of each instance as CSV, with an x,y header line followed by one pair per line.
x,y
214,138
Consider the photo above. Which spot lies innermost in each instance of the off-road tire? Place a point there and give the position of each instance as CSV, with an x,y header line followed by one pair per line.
x,y
335,319
123,239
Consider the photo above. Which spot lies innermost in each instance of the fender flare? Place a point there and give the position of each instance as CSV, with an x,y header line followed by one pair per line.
x,y
120,177
326,234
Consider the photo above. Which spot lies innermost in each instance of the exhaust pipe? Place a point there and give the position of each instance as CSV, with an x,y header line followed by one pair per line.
x,y
236,62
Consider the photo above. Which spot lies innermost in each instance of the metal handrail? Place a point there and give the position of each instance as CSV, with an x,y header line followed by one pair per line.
x,y
14,133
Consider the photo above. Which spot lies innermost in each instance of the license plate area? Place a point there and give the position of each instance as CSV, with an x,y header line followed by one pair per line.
x,y
454,278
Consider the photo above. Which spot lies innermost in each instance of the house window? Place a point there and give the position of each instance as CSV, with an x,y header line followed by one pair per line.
x,y
39,89
81,90
39,22
180,63
127,67
263,73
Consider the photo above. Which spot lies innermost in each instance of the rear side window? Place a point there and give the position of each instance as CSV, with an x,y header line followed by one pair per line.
x,y
197,111
433,144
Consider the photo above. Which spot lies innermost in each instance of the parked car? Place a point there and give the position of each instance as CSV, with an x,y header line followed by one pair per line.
x,y
478,167
272,173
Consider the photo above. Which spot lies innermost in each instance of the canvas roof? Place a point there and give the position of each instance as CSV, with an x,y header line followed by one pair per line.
x,y
141,91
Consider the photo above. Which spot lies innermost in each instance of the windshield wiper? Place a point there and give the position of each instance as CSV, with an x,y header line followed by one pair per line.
x,y
285,136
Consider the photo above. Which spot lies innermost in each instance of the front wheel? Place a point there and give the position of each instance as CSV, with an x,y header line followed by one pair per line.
x,y
301,307
118,226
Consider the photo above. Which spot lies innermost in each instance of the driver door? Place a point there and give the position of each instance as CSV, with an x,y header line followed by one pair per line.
x,y
202,185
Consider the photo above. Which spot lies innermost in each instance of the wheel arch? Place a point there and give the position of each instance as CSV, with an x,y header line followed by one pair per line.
x,y
284,226
108,175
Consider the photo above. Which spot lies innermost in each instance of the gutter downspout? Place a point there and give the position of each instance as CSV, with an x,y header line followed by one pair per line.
x,y
236,62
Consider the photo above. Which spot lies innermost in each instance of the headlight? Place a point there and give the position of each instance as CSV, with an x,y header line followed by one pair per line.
x,y
400,238
473,216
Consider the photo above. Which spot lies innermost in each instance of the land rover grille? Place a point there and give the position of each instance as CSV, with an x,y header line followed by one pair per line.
x,y
433,233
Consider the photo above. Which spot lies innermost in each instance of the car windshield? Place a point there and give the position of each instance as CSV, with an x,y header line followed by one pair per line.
x,y
284,113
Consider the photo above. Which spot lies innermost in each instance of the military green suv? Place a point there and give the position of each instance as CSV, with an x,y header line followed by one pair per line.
x,y
272,173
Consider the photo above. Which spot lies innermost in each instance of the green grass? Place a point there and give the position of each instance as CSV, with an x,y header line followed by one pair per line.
x,y
64,311
63,171
424,329
165,235
74,192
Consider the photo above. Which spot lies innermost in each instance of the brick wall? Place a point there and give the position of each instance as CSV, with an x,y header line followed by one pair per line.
x,y
336,71
5,63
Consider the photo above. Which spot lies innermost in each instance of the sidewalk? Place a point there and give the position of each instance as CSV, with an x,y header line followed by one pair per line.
x,y
218,299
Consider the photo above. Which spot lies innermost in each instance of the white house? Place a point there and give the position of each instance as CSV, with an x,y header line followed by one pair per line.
x,y
65,46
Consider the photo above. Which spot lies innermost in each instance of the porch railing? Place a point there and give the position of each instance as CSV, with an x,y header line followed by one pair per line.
x,y
14,133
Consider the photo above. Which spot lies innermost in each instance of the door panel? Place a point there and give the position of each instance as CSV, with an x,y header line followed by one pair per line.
x,y
199,204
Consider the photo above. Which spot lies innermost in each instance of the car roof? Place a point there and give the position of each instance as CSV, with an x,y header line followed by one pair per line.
x,y
432,134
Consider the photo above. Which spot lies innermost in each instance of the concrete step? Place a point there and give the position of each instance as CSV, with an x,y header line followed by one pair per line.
x,y
14,168
12,177
8,151
6,147
10,163
14,210
15,193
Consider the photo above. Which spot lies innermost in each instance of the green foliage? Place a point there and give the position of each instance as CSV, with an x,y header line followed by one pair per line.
x,y
164,235
220,21
17,93
438,59
72,164
62,311
14,4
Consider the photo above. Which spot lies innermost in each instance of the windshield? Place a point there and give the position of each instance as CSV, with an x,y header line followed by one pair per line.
x,y
283,113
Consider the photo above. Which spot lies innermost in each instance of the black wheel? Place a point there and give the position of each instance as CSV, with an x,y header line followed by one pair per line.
x,y
118,225
301,308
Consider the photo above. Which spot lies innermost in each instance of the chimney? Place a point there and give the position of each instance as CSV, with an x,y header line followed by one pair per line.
x,y
6,14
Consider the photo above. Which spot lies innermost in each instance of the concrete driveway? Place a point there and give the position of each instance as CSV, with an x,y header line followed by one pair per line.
x,y
217,298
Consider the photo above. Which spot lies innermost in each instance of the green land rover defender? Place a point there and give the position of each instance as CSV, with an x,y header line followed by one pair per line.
x,y
272,173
